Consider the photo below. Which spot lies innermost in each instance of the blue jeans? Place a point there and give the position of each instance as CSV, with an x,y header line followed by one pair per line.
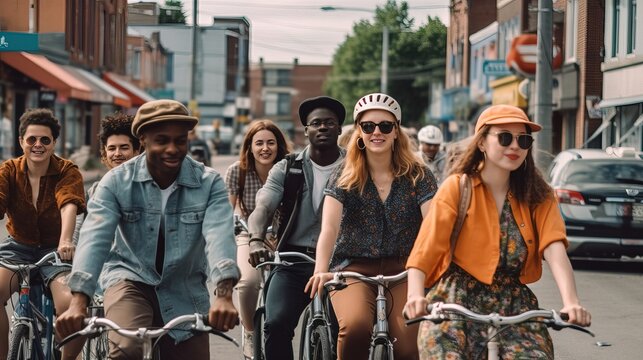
x,y
285,302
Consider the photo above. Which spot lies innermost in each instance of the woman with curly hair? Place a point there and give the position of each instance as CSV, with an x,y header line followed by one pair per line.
x,y
372,213
263,146
512,223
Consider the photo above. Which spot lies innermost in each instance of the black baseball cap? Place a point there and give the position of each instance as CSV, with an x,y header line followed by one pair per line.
x,y
326,102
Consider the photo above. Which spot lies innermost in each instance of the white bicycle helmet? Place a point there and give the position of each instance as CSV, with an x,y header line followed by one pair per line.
x,y
378,101
430,134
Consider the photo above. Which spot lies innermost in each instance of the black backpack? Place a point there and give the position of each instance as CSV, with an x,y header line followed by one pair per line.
x,y
286,214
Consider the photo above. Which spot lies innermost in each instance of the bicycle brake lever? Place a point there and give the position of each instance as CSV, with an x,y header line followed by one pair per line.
x,y
225,336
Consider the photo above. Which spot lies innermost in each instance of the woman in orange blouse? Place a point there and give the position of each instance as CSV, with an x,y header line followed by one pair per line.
x,y
41,195
512,223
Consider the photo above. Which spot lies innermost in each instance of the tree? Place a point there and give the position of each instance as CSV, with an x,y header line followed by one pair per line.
x,y
413,55
172,12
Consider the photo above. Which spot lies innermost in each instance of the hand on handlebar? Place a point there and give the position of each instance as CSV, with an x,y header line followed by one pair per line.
x,y
223,315
66,250
577,315
71,321
415,307
259,252
316,283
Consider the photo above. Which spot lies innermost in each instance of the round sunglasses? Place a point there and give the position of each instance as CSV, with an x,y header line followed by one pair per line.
x,y
44,140
368,127
505,138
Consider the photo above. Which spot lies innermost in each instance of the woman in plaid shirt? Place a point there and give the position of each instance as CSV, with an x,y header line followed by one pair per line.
x,y
263,146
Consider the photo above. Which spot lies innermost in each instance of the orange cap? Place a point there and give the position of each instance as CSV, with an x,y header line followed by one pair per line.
x,y
505,114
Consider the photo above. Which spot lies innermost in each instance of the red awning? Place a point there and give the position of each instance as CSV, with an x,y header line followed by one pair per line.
x,y
136,95
102,91
47,73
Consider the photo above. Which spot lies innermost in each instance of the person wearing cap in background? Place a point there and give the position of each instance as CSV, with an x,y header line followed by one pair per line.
x,y
512,222
372,214
322,118
173,224
430,138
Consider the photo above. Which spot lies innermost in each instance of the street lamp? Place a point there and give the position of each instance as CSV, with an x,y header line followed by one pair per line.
x,y
385,43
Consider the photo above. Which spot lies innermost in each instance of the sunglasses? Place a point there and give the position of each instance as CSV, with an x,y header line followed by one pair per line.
x,y
44,140
368,127
505,138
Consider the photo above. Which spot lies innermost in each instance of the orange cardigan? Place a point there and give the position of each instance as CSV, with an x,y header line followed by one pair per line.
x,y
477,249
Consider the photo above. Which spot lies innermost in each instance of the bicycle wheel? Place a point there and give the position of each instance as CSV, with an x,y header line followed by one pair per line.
x,y
302,337
380,352
96,348
19,343
258,340
321,348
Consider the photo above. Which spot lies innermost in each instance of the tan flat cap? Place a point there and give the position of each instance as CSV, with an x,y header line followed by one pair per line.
x,y
154,112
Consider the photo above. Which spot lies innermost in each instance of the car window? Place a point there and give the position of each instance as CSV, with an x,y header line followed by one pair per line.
x,y
604,171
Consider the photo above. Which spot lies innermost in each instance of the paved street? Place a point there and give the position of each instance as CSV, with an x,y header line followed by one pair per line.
x,y
612,292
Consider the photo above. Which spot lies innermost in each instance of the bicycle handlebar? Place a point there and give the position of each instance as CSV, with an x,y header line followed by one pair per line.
x,y
96,325
439,312
47,258
339,279
278,261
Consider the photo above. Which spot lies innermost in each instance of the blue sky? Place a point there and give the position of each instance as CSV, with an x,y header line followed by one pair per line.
x,y
284,29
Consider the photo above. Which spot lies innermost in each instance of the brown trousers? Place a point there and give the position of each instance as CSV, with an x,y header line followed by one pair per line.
x,y
134,305
355,310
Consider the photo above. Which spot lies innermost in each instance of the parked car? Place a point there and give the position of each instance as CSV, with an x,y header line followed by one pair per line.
x,y
600,195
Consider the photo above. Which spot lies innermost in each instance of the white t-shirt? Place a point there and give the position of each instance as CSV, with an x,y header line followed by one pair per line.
x,y
165,195
321,175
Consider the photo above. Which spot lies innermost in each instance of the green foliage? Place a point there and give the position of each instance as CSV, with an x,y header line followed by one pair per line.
x,y
416,57
172,12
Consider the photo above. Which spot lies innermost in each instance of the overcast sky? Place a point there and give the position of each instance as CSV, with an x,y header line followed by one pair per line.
x,y
281,30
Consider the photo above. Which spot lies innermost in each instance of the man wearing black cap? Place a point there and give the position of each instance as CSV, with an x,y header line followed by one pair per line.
x,y
174,228
322,118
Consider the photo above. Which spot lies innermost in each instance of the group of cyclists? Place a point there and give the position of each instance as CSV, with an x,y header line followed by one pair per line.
x,y
159,224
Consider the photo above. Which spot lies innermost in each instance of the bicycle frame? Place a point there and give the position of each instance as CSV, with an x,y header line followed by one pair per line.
x,y
381,334
35,308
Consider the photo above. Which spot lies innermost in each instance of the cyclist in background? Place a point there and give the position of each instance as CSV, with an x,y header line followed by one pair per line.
x,y
41,195
263,146
430,138
174,229
372,213
322,118
512,222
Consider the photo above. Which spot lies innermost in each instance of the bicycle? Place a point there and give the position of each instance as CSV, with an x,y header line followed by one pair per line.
x,y
381,347
439,312
97,325
32,331
96,348
315,343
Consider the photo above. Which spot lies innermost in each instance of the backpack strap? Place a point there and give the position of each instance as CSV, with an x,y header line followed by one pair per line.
x,y
288,208
463,206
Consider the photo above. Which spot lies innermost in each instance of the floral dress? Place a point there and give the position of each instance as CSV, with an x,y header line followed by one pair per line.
x,y
506,296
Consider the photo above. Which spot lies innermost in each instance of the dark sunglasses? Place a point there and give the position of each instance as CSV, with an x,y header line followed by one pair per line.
x,y
368,127
45,140
505,138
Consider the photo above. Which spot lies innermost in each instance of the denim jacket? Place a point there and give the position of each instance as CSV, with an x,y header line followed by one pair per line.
x,y
199,236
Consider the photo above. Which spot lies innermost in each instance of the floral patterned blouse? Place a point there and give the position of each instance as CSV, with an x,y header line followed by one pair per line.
x,y
372,228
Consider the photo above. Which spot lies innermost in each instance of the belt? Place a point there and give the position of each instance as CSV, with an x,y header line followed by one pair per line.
x,y
301,249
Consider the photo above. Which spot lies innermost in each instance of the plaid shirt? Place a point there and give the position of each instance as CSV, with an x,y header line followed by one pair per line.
x,y
250,188
39,226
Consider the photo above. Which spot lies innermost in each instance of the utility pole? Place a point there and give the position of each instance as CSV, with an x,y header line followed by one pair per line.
x,y
195,14
544,84
384,80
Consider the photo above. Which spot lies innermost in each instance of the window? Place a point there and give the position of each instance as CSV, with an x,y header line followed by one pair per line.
x,y
276,77
277,104
136,64
571,30
616,15
631,26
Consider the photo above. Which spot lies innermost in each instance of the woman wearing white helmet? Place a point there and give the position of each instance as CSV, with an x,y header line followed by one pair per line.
x,y
375,203
430,138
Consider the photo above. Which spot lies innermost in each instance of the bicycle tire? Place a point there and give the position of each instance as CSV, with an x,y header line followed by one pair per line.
x,y
302,337
321,348
19,343
96,348
380,352
258,341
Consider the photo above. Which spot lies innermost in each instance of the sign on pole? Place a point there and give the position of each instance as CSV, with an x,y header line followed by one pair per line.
x,y
18,41
495,68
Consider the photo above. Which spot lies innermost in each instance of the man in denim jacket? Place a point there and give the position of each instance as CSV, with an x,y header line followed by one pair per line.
x,y
322,118
173,225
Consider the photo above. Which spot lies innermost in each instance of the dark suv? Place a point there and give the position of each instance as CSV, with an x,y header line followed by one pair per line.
x,y
600,195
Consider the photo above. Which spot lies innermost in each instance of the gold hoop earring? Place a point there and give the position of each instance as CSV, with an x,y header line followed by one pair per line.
x,y
359,139
480,165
